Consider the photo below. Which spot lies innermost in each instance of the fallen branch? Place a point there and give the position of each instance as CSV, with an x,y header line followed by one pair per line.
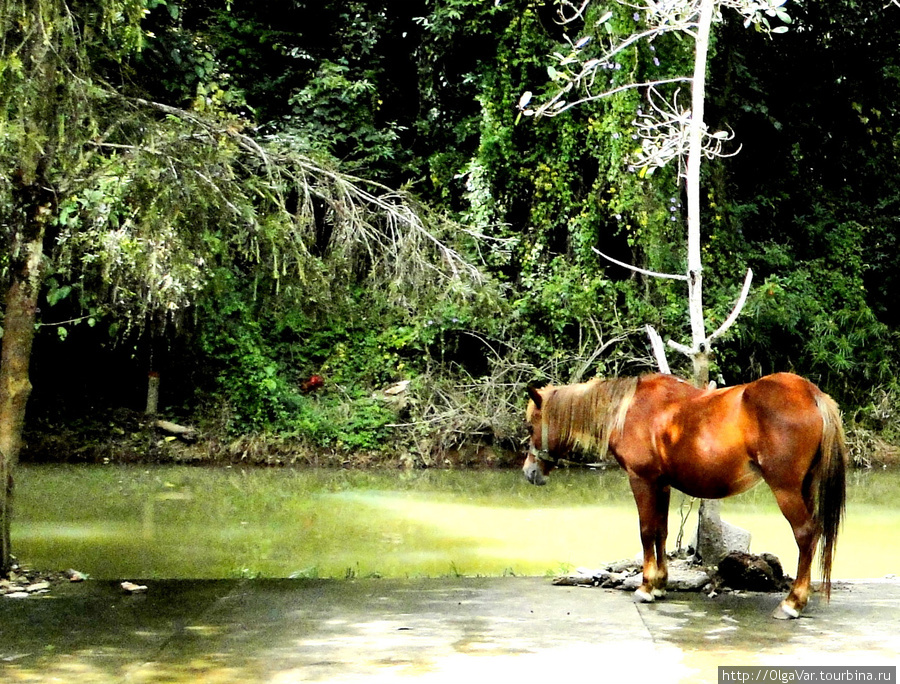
x,y
187,434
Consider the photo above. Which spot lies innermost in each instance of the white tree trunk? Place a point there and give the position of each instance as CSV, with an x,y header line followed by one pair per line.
x,y
710,525
700,356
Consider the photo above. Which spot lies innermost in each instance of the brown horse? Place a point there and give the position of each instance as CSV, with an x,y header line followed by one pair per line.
x,y
706,443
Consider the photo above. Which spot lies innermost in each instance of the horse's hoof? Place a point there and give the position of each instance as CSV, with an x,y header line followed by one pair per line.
x,y
642,596
785,612
659,593
534,475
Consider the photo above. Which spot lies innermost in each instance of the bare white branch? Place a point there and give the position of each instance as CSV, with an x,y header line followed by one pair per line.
x,y
659,351
577,12
557,105
684,349
738,307
735,312
636,269
665,134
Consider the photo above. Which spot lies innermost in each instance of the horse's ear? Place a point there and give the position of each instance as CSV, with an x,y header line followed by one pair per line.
x,y
535,395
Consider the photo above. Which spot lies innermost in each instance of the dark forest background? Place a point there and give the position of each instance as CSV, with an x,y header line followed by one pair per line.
x,y
420,97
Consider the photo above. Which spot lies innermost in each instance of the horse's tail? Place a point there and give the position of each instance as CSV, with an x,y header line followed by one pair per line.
x,y
830,483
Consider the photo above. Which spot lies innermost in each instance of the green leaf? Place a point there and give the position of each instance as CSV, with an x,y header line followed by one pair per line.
x,y
58,294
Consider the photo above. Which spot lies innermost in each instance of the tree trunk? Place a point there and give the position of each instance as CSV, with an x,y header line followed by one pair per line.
x,y
709,526
152,393
15,356
43,53
699,342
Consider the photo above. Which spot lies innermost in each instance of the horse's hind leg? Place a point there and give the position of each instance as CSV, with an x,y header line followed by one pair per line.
x,y
798,514
653,512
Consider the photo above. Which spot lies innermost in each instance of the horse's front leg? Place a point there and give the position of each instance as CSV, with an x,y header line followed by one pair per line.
x,y
653,511
662,532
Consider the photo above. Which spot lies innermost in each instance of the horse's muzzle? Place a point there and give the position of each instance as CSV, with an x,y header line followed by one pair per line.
x,y
534,473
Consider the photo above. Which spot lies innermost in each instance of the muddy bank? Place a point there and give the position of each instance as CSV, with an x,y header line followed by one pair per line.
x,y
130,437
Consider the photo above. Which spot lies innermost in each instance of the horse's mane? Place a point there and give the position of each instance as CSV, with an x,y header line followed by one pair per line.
x,y
587,414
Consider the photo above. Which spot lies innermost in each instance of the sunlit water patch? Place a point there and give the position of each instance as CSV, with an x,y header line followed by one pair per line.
x,y
113,522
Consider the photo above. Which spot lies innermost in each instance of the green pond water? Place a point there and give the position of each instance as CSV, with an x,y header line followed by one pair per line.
x,y
185,522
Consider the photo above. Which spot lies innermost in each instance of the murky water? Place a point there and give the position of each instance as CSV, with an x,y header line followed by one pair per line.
x,y
182,522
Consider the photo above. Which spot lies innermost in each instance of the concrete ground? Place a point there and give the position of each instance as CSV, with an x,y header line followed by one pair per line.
x,y
460,630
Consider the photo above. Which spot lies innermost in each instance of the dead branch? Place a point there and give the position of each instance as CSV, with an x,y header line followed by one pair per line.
x,y
637,269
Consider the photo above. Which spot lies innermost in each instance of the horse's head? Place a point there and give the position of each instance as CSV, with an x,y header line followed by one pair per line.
x,y
538,462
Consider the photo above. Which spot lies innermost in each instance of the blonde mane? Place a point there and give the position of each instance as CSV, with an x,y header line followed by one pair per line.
x,y
587,414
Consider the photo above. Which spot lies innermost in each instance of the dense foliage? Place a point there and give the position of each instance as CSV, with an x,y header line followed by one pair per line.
x,y
257,283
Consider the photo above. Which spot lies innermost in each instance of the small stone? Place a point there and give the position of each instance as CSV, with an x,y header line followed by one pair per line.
x,y
37,586
623,565
687,579
632,583
133,588
17,594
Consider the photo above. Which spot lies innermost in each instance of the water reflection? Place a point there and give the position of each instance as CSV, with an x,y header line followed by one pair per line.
x,y
114,522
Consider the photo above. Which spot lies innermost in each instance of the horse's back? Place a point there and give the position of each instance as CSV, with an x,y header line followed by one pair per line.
x,y
719,442
783,398
779,397
785,382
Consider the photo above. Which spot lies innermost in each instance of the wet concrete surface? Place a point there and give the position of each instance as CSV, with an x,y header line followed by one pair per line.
x,y
463,630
